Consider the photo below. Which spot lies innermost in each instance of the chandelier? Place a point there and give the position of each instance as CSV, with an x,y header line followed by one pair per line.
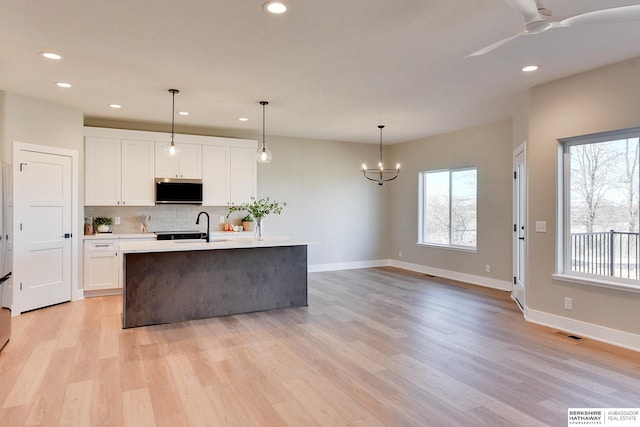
x,y
380,174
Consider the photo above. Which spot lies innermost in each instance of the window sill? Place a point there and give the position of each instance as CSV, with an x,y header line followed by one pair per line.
x,y
454,248
602,283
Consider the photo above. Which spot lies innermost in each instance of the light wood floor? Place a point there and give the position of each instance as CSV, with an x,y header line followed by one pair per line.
x,y
375,347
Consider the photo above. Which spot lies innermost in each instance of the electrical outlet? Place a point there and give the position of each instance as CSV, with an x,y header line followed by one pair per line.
x,y
487,268
117,220
221,219
399,254
568,304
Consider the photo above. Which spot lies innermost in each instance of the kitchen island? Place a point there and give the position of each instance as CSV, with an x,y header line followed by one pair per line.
x,y
173,281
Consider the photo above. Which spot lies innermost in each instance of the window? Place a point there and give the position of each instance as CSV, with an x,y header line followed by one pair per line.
x,y
600,207
448,208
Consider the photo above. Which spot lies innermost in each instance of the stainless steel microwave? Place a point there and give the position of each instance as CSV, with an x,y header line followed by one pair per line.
x,y
178,191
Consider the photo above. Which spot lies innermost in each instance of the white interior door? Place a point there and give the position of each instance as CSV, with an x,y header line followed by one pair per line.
x,y
519,231
42,202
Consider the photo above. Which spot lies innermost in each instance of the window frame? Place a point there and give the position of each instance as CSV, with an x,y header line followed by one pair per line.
x,y
422,208
563,220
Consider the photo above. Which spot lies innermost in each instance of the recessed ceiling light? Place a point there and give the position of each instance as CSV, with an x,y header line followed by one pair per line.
x,y
183,113
275,7
51,55
529,68
243,119
63,84
116,106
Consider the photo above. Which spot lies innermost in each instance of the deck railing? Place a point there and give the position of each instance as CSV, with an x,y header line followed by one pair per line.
x,y
611,253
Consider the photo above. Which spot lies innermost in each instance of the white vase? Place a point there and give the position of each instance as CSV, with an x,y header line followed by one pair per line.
x,y
103,228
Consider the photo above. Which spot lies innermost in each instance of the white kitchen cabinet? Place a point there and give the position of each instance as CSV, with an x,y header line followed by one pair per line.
x,y
243,177
186,163
102,171
229,175
103,262
101,265
215,175
119,172
138,173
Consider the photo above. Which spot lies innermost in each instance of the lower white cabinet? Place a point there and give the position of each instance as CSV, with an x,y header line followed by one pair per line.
x,y
101,265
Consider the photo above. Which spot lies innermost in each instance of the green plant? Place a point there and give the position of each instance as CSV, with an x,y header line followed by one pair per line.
x,y
247,218
258,208
103,220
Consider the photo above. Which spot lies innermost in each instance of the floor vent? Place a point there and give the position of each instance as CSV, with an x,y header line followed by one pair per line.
x,y
573,337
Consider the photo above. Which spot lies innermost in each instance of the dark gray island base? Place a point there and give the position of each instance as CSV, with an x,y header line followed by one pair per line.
x,y
166,287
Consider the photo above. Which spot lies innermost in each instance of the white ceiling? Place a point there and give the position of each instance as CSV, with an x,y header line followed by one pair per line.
x,y
331,69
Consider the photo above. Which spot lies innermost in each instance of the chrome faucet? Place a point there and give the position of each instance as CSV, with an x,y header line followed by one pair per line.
x,y
198,222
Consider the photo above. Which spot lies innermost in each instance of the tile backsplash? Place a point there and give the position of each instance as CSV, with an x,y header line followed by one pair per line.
x,y
163,217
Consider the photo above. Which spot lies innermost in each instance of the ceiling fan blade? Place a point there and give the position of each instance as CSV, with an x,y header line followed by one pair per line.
x,y
528,8
605,16
494,46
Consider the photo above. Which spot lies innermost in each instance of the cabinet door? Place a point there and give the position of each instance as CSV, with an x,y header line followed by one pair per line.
x,y
190,161
215,175
138,170
101,270
166,164
243,175
102,171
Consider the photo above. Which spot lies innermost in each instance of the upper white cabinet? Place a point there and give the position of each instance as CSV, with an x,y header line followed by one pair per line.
x,y
243,175
186,163
138,170
102,171
119,172
215,175
121,166
229,175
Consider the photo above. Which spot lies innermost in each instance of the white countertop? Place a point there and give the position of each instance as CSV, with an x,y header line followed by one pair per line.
x,y
218,242
152,236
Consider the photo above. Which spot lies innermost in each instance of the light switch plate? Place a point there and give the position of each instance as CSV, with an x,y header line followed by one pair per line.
x,y
541,226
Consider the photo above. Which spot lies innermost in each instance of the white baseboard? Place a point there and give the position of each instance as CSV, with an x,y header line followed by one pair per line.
x,y
584,329
315,268
487,282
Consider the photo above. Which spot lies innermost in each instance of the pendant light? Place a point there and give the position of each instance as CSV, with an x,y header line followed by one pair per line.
x,y
172,146
263,155
380,174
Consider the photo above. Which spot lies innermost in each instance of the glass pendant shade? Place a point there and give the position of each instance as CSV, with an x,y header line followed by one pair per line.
x,y
263,155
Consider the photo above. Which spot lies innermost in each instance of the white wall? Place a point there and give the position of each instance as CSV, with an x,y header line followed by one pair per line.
x,y
34,121
596,101
489,149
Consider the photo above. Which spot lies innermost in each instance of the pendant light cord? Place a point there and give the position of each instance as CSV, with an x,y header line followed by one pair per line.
x,y
173,112
264,104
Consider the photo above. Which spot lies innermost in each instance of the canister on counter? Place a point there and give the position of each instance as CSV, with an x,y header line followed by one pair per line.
x,y
88,226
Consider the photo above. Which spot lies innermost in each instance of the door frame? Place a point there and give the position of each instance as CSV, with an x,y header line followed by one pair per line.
x,y
76,240
521,149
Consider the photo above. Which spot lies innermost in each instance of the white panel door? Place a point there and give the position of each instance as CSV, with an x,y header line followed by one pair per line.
x,y
43,238
519,232
190,161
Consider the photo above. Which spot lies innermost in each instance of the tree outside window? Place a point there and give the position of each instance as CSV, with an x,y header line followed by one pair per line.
x,y
449,207
601,184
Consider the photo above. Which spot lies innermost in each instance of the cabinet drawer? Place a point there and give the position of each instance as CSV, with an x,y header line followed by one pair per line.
x,y
100,245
